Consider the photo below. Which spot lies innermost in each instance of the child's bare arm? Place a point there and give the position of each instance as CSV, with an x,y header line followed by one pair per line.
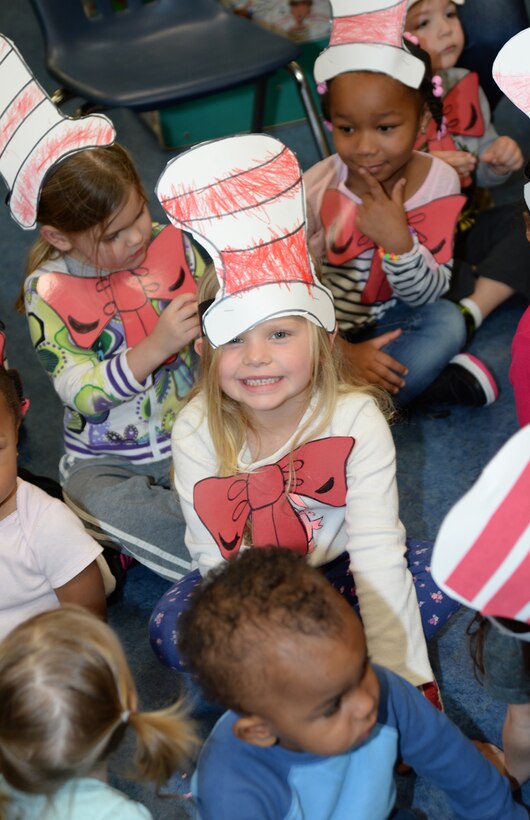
x,y
85,589
464,162
177,326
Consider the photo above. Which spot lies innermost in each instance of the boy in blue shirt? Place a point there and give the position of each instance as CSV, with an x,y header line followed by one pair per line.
x,y
313,730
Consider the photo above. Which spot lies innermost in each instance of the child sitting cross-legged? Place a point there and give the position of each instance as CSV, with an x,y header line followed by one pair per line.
x,y
313,729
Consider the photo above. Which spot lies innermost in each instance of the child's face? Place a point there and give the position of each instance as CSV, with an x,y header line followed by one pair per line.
x,y
124,244
268,368
327,694
375,124
8,460
439,31
300,11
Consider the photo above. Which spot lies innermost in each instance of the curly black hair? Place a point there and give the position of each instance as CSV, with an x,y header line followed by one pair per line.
x,y
236,612
434,104
12,391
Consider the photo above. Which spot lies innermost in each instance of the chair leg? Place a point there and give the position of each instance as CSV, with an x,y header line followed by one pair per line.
x,y
258,111
61,95
313,117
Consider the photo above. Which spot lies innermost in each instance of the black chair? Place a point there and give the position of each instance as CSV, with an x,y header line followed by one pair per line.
x,y
151,55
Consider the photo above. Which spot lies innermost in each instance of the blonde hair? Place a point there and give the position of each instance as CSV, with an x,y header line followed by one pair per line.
x,y
227,420
81,194
66,698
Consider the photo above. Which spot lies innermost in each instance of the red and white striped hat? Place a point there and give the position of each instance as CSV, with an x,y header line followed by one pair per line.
x,y
511,72
482,554
242,198
367,35
34,135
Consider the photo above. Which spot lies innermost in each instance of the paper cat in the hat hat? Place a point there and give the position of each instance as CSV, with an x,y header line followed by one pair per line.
x,y
482,553
242,198
367,35
35,136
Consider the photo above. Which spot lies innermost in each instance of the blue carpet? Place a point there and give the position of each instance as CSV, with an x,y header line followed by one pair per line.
x,y
438,460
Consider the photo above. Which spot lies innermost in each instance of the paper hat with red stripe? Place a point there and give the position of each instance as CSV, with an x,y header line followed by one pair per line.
x,y
34,135
482,553
511,72
242,198
367,35
414,2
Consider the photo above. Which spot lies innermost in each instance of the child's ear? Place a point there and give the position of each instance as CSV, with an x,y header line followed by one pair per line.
x,y
333,336
425,118
254,730
56,238
197,344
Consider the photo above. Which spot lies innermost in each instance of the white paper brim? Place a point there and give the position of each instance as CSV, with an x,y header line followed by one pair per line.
x,y
229,316
383,59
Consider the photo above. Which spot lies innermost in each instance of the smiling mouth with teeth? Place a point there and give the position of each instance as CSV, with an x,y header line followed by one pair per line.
x,y
258,382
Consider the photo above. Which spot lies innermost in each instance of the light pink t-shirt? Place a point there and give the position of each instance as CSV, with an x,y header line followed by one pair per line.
x,y
43,545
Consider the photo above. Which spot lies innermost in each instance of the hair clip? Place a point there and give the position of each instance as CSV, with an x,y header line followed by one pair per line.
x,y
411,38
322,88
437,87
328,125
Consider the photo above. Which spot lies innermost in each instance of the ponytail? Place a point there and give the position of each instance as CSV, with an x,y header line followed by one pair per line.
x,y
165,740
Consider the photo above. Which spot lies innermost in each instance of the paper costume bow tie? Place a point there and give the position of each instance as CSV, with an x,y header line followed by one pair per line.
x,y
316,470
434,224
463,116
87,305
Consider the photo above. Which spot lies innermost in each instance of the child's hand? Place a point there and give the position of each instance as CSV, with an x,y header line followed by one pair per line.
x,y
382,217
177,326
464,162
503,156
368,362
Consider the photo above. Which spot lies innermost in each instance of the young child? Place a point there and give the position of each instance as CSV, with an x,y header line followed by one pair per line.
x,y
492,259
314,729
111,305
481,558
47,558
381,216
275,447
67,697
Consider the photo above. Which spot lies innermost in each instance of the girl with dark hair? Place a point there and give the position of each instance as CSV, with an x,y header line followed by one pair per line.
x,y
382,215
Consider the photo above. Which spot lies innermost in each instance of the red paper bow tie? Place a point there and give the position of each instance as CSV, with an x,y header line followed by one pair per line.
x,y
434,224
463,116
316,470
87,305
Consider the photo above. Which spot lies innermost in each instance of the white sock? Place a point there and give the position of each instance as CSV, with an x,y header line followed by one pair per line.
x,y
473,309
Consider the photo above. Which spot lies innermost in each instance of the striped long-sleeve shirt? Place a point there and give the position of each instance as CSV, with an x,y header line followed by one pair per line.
x,y
414,277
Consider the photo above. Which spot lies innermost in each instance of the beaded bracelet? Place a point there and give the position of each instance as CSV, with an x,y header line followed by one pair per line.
x,y
393,257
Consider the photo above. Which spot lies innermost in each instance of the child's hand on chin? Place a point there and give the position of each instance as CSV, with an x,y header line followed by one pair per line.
x,y
382,217
503,156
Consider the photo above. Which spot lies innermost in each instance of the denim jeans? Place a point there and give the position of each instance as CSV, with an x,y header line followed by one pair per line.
x,y
432,335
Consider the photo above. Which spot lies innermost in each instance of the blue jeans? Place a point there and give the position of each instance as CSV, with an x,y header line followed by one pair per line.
x,y
435,607
432,335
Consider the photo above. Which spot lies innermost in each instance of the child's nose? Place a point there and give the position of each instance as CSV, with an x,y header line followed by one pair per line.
x,y
256,353
364,143
134,235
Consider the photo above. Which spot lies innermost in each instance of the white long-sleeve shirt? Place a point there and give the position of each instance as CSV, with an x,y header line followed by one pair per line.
x,y
367,526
